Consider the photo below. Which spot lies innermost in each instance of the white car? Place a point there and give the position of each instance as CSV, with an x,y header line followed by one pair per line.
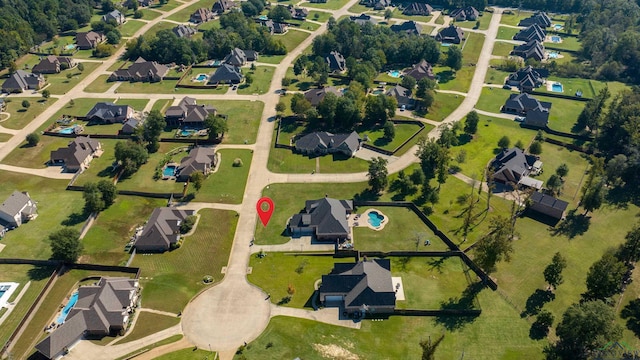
x,y
519,118
403,108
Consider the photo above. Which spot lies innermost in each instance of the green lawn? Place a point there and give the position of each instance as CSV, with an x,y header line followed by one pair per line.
x,y
571,43
458,81
552,157
472,48
180,272
329,5
120,64
271,59
161,25
148,14
169,340
217,188
402,229
162,87
376,136
563,113
440,19
186,354
501,48
495,76
104,242
261,80
397,14
35,156
100,168
514,19
320,16
244,119
59,84
20,116
131,27
211,24
506,33
170,5
292,38
147,324
143,180
100,85
572,85
485,20
443,105
184,14
358,8
5,137
161,105
492,99
136,104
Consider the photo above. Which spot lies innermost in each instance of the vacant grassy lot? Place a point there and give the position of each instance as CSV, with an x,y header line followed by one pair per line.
x,y
472,48
148,14
161,87
443,105
319,16
506,33
563,113
501,48
60,84
131,27
292,38
458,81
149,323
161,25
105,240
184,14
376,136
552,157
403,231
261,80
99,85
329,5
514,18
180,272
492,99
244,119
136,104
495,76
20,116
186,354
484,23
217,188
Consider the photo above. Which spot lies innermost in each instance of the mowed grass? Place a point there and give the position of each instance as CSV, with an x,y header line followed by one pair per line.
x,y
501,48
243,119
329,5
161,105
129,28
161,87
319,16
402,133
443,105
161,25
514,18
148,14
60,84
506,33
20,116
104,242
292,38
5,137
142,180
472,48
492,99
228,183
458,81
100,168
186,354
553,156
403,231
563,113
397,14
495,76
261,80
570,43
180,272
100,85
184,14
136,104
50,306
485,20
149,323
37,156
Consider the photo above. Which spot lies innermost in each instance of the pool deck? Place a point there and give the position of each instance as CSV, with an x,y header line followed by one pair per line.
x,y
361,220
4,299
550,86
10,306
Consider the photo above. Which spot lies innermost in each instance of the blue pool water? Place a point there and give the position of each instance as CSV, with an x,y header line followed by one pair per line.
x,y
557,87
201,77
553,55
187,132
394,73
70,47
2,292
557,26
263,17
69,130
169,170
67,308
446,44
377,92
375,218
555,39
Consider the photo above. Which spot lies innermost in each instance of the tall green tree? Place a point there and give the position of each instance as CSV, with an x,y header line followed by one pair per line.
x,y
152,128
217,126
65,245
378,174
130,155
454,58
605,276
553,272
471,123
197,179
629,251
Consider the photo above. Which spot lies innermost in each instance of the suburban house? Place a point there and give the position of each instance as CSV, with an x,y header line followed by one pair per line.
x,y
18,208
536,112
202,15
184,31
141,70
418,9
21,81
531,50
141,3
408,27
239,57
376,4
129,127
274,27
533,32
78,154
540,18
101,309
360,287
298,13
201,159
53,64
222,6
322,143
402,96
325,218
188,113
468,13
421,70
528,78
451,34
162,230
318,1
116,16
336,62
89,40
547,205
363,19
315,96
109,113
226,74
513,166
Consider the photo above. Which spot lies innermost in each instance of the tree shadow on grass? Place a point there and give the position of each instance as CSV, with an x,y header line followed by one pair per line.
x,y
464,302
75,218
536,301
39,272
464,139
445,76
538,331
573,225
366,195
436,264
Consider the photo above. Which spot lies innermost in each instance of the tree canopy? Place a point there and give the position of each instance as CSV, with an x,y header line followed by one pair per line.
x,y
65,245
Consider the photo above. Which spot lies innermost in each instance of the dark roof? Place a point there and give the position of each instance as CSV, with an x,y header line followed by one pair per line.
x,y
336,61
328,216
548,204
450,34
199,159
418,9
22,80
315,96
363,19
298,13
237,57
52,63
129,126
524,102
221,6
201,15
409,27
510,165
16,203
89,39
363,283
114,15
421,70
528,76
143,69
466,13
184,31
226,73
533,32
401,94
274,27
76,152
537,117
322,141
533,49
108,111
162,229
540,18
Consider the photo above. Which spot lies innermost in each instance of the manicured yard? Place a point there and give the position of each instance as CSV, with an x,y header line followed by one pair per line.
x,y
186,354
20,116
329,5
162,87
320,16
60,84
440,19
397,14
484,22
148,14
443,105
492,99
261,80
358,8
35,156
458,81
285,161
143,180
563,113
472,48
162,25
5,137
506,33
180,272
170,5
209,25
131,27
376,136
571,85
136,104
169,340
217,188
514,18
271,59
184,14
244,119
553,156
403,228
501,48
571,43
104,242
100,85
147,324
495,76
161,105
292,38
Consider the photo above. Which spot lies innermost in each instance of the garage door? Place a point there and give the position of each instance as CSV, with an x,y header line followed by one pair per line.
x,y
333,301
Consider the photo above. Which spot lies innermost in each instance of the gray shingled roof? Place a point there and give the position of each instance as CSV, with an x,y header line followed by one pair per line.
x,y
409,27
450,34
336,61
510,165
315,96
549,201
22,80
421,70
162,229
76,152
326,142
16,203
328,216
226,73
199,159
108,111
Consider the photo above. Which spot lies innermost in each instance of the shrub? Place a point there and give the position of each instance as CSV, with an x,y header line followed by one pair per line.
x,y
187,224
237,162
33,139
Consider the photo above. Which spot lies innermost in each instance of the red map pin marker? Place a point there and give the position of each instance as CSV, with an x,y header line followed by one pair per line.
x,y
265,210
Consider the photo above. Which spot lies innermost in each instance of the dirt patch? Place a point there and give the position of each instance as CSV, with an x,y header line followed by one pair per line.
x,y
335,352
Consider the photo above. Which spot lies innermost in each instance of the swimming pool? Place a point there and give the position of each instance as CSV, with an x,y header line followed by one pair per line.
x,y
555,39
375,218
446,44
377,92
394,73
201,77
557,27
553,55
68,130
557,87
169,171
263,17
187,132
70,47
63,315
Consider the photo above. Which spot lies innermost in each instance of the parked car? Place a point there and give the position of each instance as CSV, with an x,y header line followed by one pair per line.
x,y
505,86
403,108
519,118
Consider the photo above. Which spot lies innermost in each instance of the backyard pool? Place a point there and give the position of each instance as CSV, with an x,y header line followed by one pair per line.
x,y
263,17
394,73
63,315
557,27
375,218
446,44
553,55
187,132
169,171
68,130
70,47
377,92
555,39
557,87
202,77
6,289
